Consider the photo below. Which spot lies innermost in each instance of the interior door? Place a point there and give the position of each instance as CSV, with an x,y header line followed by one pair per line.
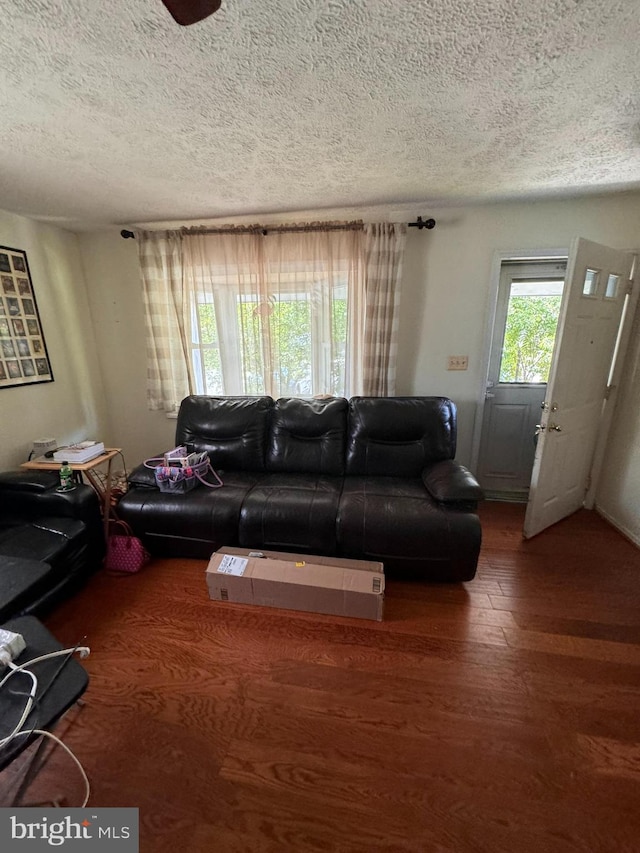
x,y
596,286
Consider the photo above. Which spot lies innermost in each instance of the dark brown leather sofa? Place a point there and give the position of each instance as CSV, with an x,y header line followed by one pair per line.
x,y
367,478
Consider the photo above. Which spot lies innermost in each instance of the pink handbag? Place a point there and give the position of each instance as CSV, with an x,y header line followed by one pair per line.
x,y
125,552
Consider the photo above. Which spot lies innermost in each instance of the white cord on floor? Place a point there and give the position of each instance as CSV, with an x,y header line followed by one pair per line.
x,y
83,651
17,731
45,733
28,705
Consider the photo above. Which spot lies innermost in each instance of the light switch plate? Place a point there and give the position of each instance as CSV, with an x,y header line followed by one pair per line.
x,y
458,362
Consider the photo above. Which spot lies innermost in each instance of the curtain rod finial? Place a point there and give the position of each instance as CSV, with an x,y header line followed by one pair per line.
x,y
421,223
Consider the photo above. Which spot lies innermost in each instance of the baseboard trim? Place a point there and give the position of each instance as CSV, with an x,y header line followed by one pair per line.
x,y
507,497
628,534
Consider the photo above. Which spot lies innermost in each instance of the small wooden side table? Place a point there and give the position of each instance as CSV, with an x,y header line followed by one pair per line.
x,y
103,490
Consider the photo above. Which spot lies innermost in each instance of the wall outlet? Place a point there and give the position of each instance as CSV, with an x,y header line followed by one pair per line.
x,y
458,362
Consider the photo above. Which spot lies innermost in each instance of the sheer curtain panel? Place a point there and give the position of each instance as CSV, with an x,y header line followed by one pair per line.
x,y
301,312
270,313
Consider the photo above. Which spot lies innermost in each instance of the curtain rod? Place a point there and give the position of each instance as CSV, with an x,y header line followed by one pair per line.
x,y
420,223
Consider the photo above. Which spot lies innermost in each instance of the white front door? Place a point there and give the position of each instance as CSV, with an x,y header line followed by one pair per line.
x,y
595,291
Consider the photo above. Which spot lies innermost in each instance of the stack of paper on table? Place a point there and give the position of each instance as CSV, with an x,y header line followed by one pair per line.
x,y
84,451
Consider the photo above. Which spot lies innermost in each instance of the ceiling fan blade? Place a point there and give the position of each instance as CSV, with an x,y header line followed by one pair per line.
x,y
186,12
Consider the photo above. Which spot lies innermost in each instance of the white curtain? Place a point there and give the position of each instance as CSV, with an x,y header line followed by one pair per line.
x,y
290,313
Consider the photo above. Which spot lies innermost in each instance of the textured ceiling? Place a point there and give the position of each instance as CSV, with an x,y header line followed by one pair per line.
x,y
112,113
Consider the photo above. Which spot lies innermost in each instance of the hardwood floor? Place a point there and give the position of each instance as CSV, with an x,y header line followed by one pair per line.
x,y
499,715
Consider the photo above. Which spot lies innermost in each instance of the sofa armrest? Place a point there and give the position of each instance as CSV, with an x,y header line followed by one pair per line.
x,y
34,493
450,483
142,476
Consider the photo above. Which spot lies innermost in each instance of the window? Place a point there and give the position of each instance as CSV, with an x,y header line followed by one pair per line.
x,y
271,316
591,281
297,337
530,330
611,290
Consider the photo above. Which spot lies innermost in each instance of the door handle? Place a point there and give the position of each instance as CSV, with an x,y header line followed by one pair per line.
x,y
554,427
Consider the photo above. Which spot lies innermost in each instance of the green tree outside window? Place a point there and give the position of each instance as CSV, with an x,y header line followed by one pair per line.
x,y
529,338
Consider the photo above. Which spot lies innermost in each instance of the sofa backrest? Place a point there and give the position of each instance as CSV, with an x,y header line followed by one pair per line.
x,y
399,436
308,436
233,430
384,436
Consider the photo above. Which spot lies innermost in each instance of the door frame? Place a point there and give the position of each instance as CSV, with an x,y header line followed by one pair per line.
x,y
490,320
624,339
623,345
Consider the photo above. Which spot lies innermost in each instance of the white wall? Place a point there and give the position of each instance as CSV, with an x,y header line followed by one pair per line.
x,y
115,296
447,285
444,311
73,406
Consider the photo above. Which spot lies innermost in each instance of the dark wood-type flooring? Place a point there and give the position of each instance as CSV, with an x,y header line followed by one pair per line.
x,y
499,715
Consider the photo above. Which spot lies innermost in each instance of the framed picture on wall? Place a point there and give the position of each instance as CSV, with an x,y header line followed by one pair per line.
x,y
23,352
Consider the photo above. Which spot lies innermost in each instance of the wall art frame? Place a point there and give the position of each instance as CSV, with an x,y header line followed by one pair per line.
x,y
24,359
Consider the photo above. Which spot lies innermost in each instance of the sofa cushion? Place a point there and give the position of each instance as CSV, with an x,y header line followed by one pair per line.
x,y
49,540
394,520
193,524
21,581
291,512
308,436
64,544
399,436
233,430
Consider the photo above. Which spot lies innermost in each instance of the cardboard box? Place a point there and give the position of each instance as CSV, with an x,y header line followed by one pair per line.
x,y
297,582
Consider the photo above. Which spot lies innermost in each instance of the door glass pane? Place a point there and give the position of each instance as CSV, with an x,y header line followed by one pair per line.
x,y
612,286
530,330
590,285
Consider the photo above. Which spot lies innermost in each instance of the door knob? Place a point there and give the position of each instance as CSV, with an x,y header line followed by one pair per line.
x,y
554,427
